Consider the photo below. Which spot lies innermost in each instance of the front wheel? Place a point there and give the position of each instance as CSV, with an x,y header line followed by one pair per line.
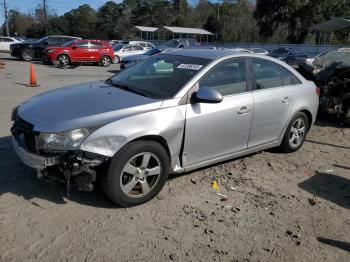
x,y
63,60
105,61
27,54
136,173
295,133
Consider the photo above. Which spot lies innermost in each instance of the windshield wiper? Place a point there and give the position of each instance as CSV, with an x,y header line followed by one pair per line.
x,y
126,87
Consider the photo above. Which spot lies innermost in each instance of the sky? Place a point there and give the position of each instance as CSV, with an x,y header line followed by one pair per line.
x,y
59,6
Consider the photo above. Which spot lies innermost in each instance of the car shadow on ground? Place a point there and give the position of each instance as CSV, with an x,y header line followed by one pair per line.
x,y
18,179
329,186
335,243
327,120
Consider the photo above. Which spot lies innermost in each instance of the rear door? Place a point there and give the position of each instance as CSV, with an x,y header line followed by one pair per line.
x,y
216,130
272,102
95,50
137,49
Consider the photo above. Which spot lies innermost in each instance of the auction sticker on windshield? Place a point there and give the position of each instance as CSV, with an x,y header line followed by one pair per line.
x,y
190,66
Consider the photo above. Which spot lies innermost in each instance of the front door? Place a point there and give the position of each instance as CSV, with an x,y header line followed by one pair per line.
x,y
81,51
216,130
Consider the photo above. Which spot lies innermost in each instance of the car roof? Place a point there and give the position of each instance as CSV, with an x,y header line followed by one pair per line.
x,y
211,54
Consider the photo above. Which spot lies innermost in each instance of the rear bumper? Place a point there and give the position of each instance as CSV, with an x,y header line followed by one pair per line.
x,y
30,159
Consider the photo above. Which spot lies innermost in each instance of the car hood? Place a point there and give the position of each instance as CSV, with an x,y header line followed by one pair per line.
x,y
84,105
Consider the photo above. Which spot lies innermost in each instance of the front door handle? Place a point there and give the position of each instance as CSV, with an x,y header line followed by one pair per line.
x,y
285,100
243,110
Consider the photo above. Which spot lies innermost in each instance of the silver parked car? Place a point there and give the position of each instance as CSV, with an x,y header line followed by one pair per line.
x,y
173,112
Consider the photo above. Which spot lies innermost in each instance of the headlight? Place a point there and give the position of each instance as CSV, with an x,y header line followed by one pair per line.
x,y
62,140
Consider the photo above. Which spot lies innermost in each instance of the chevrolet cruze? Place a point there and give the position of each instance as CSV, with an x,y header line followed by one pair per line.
x,y
173,112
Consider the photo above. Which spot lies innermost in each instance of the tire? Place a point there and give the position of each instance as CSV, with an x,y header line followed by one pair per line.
x,y
27,54
131,179
347,117
295,134
105,61
116,59
63,60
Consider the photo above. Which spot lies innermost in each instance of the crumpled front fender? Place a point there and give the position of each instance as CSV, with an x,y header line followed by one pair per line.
x,y
168,123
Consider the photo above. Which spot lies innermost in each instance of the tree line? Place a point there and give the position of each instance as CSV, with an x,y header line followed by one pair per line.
x,y
273,21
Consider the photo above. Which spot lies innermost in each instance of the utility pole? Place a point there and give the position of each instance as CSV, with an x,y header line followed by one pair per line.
x,y
6,19
45,15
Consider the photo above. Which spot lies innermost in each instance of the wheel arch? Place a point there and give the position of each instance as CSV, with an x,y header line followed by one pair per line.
x,y
309,117
156,138
63,53
104,54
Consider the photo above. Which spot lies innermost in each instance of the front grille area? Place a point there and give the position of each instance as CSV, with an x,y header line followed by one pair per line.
x,y
25,129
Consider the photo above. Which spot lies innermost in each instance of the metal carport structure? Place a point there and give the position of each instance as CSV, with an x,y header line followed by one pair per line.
x,y
145,29
326,29
183,31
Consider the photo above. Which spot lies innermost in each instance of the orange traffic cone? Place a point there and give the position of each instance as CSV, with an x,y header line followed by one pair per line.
x,y
32,79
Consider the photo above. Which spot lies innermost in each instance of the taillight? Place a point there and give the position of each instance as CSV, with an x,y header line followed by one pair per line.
x,y
318,91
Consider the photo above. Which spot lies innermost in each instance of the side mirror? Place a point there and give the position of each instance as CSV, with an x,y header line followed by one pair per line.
x,y
45,43
206,95
74,47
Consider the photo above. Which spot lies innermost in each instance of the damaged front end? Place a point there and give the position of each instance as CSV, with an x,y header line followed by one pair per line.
x,y
70,166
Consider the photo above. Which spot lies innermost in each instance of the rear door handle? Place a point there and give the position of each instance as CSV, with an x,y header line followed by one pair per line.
x,y
285,100
243,110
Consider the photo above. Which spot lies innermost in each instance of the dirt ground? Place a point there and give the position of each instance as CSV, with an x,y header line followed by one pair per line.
x,y
279,207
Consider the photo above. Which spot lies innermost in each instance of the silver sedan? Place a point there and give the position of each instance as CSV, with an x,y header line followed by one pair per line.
x,y
173,112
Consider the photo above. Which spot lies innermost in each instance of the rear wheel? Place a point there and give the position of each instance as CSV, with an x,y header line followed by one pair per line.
x,y
295,133
347,117
137,173
63,60
105,61
27,54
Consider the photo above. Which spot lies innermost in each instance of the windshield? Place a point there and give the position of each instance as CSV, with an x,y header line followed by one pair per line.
x,y
39,40
160,76
153,51
117,47
172,43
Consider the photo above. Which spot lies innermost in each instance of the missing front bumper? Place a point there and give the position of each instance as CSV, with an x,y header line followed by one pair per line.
x,y
33,160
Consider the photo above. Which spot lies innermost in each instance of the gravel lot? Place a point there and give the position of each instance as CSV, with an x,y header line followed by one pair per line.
x,y
279,207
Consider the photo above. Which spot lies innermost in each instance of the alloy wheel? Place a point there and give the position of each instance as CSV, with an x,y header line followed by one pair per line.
x,y
105,61
63,60
140,175
297,132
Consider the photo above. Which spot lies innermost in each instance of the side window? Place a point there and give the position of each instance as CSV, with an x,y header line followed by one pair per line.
x,y
127,48
137,48
5,39
289,78
83,44
267,74
51,40
95,45
228,77
148,45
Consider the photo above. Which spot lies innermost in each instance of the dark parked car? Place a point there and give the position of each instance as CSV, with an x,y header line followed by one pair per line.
x,y
286,55
34,50
182,43
134,59
82,51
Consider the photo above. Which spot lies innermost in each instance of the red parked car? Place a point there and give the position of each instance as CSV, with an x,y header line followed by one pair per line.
x,y
81,51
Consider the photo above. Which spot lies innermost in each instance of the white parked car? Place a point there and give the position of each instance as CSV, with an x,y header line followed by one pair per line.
x,y
5,43
121,51
144,44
